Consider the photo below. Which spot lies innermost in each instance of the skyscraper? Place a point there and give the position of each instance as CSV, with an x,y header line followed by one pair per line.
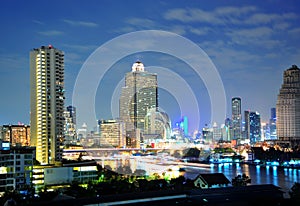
x,y
272,125
288,108
137,96
247,124
255,127
236,117
47,103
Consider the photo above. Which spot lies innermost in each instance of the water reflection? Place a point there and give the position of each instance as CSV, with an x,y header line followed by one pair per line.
x,y
282,177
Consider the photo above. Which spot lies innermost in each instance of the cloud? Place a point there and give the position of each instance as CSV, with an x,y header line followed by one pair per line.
x,y
38,22
140,22
259,36
294,32
191,15
246,15
262,18
12,63
253,33
51,33
80,23
221,15
81,48
201,31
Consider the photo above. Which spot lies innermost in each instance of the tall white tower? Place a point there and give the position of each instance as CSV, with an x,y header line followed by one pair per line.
x,y
47,103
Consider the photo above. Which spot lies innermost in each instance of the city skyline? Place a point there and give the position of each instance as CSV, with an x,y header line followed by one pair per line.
x,y
250,43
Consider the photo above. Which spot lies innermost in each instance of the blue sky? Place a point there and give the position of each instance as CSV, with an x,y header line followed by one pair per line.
x,y
249,42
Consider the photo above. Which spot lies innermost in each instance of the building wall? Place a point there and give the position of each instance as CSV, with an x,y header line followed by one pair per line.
x,y
47,175
60,175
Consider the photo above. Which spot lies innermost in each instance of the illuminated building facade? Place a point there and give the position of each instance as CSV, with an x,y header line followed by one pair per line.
x,y
137,96
255,127
70,125
47,103
112,133
236,105
16,134
272,125
288,108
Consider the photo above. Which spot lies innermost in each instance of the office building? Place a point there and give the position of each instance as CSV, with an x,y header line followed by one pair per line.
x,y
112,133
255,127
252,126
47,103
16,135
137,96
236,105
288,108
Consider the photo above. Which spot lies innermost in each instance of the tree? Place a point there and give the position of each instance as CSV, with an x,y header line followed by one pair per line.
x,y
240,180
295,192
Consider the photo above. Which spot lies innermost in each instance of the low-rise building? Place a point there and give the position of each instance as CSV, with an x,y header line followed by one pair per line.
x,y
50,175
16,165
211,180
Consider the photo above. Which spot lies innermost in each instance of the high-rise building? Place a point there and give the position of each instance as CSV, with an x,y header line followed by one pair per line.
x,y
72,113
70,125
137,96
255,127
47,103
252,126
236,105
288,108
272,125
247,124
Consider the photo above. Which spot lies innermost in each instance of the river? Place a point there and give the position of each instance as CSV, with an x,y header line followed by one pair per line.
x,y
282,177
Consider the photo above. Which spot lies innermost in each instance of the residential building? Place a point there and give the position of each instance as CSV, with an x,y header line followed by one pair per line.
x,y
47,103
16,165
